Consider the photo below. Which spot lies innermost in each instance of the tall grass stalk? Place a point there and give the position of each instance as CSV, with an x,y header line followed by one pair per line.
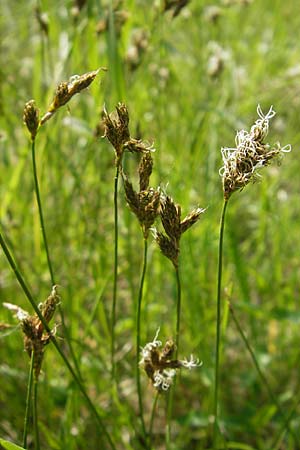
x,y
178,309
218,325
150,433
115,280
54,341
28,401
35,412
263,377
45,240
170,398
138,336
41,215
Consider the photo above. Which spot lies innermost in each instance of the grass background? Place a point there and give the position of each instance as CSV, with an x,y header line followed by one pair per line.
x,y
189,111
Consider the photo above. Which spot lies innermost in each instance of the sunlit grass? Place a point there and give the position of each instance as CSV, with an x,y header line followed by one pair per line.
x,y
189,114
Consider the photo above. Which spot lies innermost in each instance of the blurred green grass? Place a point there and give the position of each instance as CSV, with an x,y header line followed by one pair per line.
x,y
190,111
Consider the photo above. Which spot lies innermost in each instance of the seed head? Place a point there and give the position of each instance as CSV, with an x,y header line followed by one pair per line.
x,y
170,214
31,118
116,129
67,89
145,170
159,365
241,164
144,204
35,336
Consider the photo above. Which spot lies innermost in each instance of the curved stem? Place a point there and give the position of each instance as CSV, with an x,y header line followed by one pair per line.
x,y
115,282
35,414
138,337
38,198
218,324
54,341
263,378
28,401
50,267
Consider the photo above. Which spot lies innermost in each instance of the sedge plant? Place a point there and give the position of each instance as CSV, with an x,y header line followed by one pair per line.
x,y
169,244
63,94
241,165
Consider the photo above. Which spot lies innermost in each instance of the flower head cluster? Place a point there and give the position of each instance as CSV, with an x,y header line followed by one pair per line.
x,y
145,203
170,214
159,365
64,92
35,336
241,164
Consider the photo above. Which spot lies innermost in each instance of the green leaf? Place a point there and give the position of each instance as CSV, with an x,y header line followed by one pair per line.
x,y
9,445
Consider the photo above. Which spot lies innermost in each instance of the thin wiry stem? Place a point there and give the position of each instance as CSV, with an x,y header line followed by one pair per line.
x,y
39,202
115,281
178,310
28,401
138,336
218,324
262,376
150,434
35,413
170,399
50,267
55,343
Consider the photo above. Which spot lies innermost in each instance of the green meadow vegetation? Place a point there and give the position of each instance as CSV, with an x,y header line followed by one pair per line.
x,y
134,313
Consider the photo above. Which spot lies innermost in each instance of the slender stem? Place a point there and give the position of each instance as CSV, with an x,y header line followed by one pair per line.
x,y
263,377
115,281
55,343
150,434
218,324
35,414
178,309
138,336
170,398
38,198
50,267
28,401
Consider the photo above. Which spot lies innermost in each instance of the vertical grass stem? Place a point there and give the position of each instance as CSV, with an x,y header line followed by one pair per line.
x,y
115,280
28,401
138,337
218,324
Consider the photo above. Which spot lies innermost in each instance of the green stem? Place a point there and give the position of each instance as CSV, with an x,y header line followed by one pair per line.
x,y
28,401
55,343
170,398
115,281
38,198
263,377
50,267
178,310
150,434
138,337
35,414
218,324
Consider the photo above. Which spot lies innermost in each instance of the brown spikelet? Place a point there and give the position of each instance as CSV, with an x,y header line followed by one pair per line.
x,y
67,89
190,219
137,146
35,336
116,129
48,307
131,196
145,170
170,217
143,204
31,118
168,246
